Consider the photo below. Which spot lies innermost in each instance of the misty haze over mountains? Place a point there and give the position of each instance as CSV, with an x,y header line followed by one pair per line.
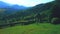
x,y
9,6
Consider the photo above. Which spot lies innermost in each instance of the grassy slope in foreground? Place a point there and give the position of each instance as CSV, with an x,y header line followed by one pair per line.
x,y
44,28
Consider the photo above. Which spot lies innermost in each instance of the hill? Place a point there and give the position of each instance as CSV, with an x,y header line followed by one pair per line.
x,y
40,19
43,9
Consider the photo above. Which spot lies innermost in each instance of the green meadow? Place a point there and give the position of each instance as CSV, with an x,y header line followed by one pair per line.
x,y
42,28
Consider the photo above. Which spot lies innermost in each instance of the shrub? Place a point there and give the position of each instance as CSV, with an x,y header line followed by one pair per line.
x,y
55,21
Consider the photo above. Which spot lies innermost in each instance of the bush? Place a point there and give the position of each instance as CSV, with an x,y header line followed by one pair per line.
x,y
55,21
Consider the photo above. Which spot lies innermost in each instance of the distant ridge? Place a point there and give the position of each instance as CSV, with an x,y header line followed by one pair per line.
x,y
6,5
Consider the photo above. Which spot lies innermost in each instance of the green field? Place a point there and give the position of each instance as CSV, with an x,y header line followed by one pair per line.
x,y
42,28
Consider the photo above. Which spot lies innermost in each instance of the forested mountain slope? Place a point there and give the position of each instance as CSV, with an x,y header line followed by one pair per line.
x,y
29,14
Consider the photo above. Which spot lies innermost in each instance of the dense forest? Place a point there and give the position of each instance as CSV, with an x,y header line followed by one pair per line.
x,y
42,13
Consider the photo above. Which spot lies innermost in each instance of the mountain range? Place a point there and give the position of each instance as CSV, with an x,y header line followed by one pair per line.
x,y
6,5
44,10
8,8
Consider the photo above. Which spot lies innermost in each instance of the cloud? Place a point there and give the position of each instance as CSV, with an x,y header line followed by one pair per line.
x,y
26,2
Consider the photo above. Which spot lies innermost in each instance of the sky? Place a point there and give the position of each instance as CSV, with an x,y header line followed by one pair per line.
x,y
27,3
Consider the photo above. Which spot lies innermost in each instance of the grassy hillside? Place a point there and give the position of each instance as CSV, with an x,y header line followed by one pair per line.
x,y
42,28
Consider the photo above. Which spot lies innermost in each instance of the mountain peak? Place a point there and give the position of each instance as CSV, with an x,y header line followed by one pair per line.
x,y
6,5
3,4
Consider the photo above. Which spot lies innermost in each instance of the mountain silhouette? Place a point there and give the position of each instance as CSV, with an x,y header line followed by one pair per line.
x,y
9,6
